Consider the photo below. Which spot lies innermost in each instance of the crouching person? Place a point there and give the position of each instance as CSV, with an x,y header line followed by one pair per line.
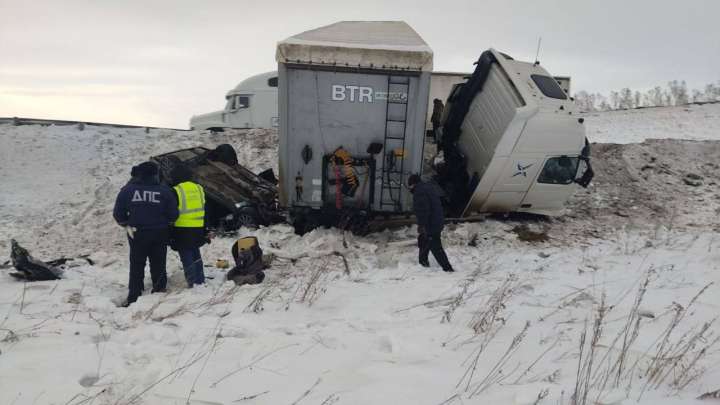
x,y
249,263
146,209
188,233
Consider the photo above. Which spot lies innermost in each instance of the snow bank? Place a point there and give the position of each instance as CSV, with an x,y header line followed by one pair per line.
x,y
697,122
381,330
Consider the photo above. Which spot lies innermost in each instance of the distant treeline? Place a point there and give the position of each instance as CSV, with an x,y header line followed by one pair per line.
x,y
676,93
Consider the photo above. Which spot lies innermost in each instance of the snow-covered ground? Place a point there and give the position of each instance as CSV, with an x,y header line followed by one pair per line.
x,y
697,122
504,329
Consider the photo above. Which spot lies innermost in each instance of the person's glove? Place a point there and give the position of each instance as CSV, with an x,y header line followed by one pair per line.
x,y
421,230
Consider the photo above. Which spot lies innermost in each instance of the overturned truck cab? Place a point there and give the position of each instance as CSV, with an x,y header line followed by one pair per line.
x,y
511,141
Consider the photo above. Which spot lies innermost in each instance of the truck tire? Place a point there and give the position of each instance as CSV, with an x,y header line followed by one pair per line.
x,y
305,221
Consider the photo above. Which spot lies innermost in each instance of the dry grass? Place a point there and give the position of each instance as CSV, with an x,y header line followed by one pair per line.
x,y
710,395
496,374
459,299
490,311
486,323
670,361
586,359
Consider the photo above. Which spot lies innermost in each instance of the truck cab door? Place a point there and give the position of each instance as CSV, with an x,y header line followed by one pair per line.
x,y
553,186
240,114
509,182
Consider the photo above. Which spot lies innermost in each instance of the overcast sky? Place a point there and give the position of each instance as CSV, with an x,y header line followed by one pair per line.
x,y
159,62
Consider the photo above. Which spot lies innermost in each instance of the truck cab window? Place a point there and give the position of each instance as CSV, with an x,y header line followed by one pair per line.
x,y
559,170
549,87
242,102
272,82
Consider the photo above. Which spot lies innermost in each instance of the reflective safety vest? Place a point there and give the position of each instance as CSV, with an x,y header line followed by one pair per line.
x,y
191,204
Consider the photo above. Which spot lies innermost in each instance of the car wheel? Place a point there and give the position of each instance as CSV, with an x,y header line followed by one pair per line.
x,y
224,153
248,218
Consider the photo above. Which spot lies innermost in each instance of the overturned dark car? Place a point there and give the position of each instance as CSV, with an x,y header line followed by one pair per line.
x,y
235,196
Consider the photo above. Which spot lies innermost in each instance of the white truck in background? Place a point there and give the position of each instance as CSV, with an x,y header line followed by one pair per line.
x,y
251,104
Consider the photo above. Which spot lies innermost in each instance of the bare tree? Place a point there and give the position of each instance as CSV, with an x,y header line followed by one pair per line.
x,y
585,101
676,93
614,100
712,92
697,96
679,92
667,98
626,99
656,97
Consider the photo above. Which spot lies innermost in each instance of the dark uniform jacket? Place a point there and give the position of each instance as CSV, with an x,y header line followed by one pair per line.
x,y
428,207
437,113
144,203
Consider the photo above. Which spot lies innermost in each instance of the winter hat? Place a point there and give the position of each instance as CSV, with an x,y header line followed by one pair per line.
x,y
413,180
147,169
134,172
181,173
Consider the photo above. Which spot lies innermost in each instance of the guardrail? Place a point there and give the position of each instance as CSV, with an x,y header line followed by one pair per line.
x,y
648,107
39,121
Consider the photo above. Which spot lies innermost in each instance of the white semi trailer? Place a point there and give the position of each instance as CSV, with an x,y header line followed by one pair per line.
x,y
352,103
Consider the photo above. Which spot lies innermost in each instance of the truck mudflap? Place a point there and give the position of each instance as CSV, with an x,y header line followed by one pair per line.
x,y
452,175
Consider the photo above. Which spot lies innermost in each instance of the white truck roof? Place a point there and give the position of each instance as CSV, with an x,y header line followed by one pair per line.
x,y
255,83
367,44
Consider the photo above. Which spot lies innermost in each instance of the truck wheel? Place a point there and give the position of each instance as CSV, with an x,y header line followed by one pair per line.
x,y
305,221
360,227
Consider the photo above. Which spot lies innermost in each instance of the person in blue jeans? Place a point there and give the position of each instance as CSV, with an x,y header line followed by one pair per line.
x,y
188,233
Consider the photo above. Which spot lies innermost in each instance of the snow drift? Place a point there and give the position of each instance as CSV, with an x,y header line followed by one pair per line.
x,y
345,319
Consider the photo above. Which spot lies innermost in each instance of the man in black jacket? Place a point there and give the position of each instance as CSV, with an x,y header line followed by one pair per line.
x,y
146,209
436,117
430,220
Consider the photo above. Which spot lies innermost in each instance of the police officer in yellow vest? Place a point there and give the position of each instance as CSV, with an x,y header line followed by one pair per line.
x,y
188,232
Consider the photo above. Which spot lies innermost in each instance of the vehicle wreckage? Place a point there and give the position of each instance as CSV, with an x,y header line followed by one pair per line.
x,y
352,104
30,269
235,195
